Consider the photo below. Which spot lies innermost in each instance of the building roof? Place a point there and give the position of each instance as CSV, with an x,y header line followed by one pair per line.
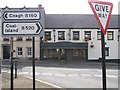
x,y
78,21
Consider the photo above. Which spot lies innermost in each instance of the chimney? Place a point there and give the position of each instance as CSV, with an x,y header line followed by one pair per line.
x,y
40,6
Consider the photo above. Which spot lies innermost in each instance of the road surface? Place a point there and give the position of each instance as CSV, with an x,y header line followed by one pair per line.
x,y
69,75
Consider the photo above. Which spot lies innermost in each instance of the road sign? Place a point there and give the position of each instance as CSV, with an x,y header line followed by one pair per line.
x,y
34,15
21,28
102,12
26,22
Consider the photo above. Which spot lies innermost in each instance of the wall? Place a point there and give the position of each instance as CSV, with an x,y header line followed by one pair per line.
x,y
95,52
113,44
24,44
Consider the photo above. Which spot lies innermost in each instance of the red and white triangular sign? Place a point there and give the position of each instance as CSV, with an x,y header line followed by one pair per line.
x,y
102,11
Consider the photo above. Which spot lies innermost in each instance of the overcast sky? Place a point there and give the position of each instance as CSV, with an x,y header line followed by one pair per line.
x,y
58,6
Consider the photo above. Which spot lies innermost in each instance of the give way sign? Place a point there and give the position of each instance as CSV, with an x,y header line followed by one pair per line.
x,y
102,11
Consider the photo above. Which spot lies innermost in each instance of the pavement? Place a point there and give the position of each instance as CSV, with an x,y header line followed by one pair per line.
x,y
24,83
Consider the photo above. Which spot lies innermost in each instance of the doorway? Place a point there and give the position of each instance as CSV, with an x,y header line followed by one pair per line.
x,y
6,51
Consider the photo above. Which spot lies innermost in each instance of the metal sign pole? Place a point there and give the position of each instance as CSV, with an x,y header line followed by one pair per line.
x,y
15,68
33,55
103,61
40,48
11,63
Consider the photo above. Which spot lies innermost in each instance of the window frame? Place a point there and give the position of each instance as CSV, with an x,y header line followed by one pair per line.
x,y
6,39
108,33
48,35
89,35
19,51
76,33
19,39
28,38
98,33
61,33
29,51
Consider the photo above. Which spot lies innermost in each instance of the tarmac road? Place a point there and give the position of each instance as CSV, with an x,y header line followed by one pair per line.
x,y
74,78
71,74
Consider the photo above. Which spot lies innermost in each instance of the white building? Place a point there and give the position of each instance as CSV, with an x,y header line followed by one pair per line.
x,y
65,38
70,32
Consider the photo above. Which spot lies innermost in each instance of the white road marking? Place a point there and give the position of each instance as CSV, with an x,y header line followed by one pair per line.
x,y
85,75
59,75
47,74
73,75
22,73
111,76
55,86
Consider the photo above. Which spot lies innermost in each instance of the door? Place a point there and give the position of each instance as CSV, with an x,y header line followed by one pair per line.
x,y
6,52
62,54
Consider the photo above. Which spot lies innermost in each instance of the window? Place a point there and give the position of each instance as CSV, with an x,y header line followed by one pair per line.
x,y
48,35
107,51
61,35
19,51
98,35
75,35
29,51
110,35
6,39
88,35
28,38
19,38
79,54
